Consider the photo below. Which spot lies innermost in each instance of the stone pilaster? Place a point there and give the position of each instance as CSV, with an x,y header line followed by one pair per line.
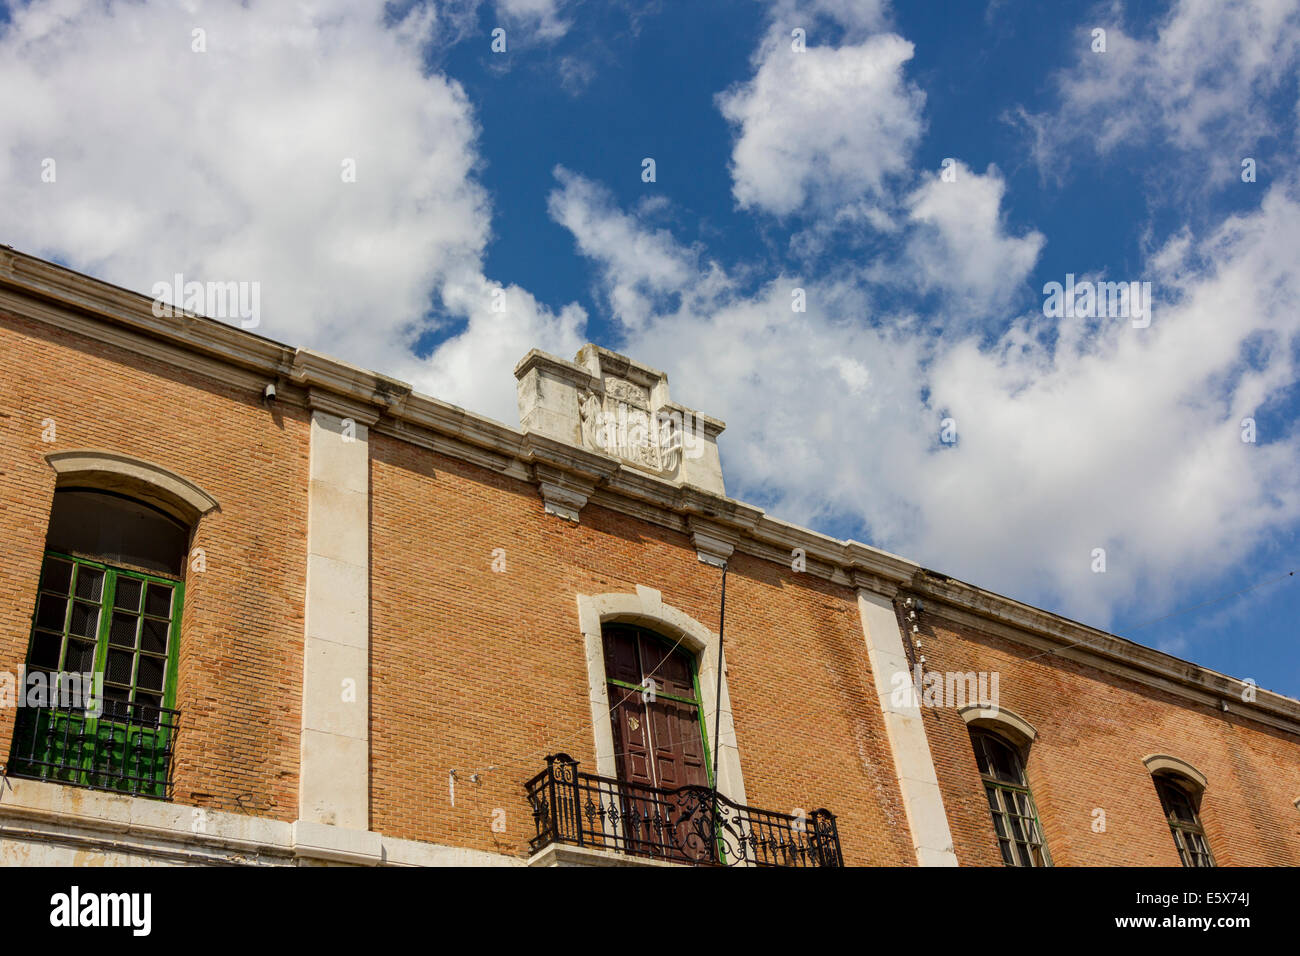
x,y
913,762
334,785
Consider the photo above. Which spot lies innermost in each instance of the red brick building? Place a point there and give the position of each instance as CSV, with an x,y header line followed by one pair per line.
x,y
351,623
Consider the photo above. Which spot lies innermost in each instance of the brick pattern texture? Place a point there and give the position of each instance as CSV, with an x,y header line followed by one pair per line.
x,y
484,671
240,662
1093,730
476,668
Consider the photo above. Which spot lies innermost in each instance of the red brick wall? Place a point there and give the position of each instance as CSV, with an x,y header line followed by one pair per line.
x,y
473,668
240,662
1093,731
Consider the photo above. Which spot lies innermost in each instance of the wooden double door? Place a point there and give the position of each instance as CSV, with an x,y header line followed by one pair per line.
x,y
658,740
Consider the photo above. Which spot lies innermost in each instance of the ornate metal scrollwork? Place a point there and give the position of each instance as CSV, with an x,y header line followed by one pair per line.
x,y
690,824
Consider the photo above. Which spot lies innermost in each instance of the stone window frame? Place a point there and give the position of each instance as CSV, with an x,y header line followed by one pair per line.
x,y
135,478
1166,763
1018,734
1000,720
645,607
143,481
1167,770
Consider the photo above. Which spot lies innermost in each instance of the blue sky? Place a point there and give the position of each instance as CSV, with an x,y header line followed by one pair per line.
x,y
776,169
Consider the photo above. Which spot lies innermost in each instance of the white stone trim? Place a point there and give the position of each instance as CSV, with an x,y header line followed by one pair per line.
x,y
646,607
416,853
562,502
45,823
561,854
317,841
968,606
334,770
712,550
1010,723
918,782
113,471
42,814
1156,763
562,400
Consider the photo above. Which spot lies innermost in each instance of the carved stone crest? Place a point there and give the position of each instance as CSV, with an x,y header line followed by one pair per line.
x,y
607,403
624,391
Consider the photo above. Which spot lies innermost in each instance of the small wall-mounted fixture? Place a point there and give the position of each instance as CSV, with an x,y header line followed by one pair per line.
x,y
268,394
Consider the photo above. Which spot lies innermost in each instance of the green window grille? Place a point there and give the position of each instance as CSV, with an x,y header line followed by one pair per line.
x,y
121,624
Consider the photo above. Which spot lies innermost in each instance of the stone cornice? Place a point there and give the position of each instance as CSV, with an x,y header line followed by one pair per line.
x,y
625,367
30,278
344,389
59,297
577,374
1060,637
713,427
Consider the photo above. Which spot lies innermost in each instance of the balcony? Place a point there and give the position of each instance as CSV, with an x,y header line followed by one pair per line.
x,y
690,825
127,748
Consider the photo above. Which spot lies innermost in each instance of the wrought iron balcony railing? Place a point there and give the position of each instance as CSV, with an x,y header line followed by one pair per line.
x,y
692,825
126,747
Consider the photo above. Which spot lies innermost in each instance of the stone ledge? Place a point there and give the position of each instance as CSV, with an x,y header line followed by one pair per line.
x,y
561,854
93,816
320,841
43,822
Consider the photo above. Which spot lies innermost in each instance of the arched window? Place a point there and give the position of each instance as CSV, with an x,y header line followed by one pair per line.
x,y
1020,837
100,684
1180,797
655,709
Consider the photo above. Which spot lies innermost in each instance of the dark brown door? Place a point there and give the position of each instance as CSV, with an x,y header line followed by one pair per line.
x,y
657,740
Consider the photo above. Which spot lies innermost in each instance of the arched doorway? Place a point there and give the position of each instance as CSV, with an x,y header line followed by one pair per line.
x,y
659,744
655,706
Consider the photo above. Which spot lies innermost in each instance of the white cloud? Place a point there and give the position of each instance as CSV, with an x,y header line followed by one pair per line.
x,y
1201,81
961,246
822,128
1071,437
576,74
233,169
542,19
855,18
227,165
474,367
638,265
